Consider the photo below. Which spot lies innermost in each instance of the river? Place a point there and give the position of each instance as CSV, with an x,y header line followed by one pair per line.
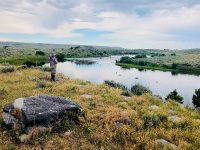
x,y
159,82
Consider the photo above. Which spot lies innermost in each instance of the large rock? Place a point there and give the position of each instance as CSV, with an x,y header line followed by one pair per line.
x,y
40,110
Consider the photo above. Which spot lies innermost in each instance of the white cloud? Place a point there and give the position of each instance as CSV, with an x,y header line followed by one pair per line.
x,y
60,18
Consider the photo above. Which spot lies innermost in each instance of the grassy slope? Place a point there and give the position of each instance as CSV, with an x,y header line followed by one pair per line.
x,y
100,130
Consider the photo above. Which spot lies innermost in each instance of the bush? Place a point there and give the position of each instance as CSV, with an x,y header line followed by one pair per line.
x,y
173,54
175,96
115,84
141,56
41,84
7,69
33,63
126,59
174,66
196,98
139,89
40,53
60,57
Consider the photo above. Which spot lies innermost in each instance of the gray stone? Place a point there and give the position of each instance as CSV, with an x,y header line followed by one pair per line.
x,y
68,133
170,111
154,107
175,119
86,96
163,143
126,98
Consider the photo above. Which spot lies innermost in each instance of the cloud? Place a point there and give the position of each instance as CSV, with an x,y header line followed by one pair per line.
x,y
130,23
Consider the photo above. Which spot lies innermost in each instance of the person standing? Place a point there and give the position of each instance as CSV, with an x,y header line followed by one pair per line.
x,y
53,64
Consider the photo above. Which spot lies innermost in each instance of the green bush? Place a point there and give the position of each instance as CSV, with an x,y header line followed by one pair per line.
x,y
60,57
40,53
196,98
33,63
115,84
175,96
126,59
139,89
141,56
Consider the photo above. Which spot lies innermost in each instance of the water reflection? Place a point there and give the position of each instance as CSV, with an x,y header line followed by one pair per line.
x,y
161,83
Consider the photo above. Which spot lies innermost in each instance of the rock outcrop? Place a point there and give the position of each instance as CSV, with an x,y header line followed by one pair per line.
x,y
40,110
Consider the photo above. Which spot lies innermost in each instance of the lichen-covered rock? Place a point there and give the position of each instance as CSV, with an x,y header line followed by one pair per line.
x,y
40,110
165,144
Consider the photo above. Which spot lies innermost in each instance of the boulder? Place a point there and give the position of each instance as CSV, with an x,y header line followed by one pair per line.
x,y
40,110
165,144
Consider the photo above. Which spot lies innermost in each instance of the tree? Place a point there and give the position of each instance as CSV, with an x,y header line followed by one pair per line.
x,y
196,98
175,96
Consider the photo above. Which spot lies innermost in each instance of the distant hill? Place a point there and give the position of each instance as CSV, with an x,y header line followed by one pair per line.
x,y
52,46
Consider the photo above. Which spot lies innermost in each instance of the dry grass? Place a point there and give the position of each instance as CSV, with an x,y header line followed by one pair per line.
x,y
112,122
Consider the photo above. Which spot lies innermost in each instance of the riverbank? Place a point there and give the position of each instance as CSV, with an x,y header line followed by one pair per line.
x,y
182,70
129,66
113,121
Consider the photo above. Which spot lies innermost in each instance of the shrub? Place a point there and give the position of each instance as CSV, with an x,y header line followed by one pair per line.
x,y
173,54
40,53
174,66
196,98
33,63
126,93
142,63
175,96
125,59
115,84
41,84
141,56
60,57
6,69
139,89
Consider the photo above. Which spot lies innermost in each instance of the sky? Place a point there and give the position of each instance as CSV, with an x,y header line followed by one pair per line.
x,y
159,24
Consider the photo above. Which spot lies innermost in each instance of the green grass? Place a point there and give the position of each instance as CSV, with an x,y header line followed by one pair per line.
x,y
112,122
21,60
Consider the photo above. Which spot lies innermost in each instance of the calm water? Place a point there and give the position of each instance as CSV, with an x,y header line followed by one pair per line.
x,y
160,83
